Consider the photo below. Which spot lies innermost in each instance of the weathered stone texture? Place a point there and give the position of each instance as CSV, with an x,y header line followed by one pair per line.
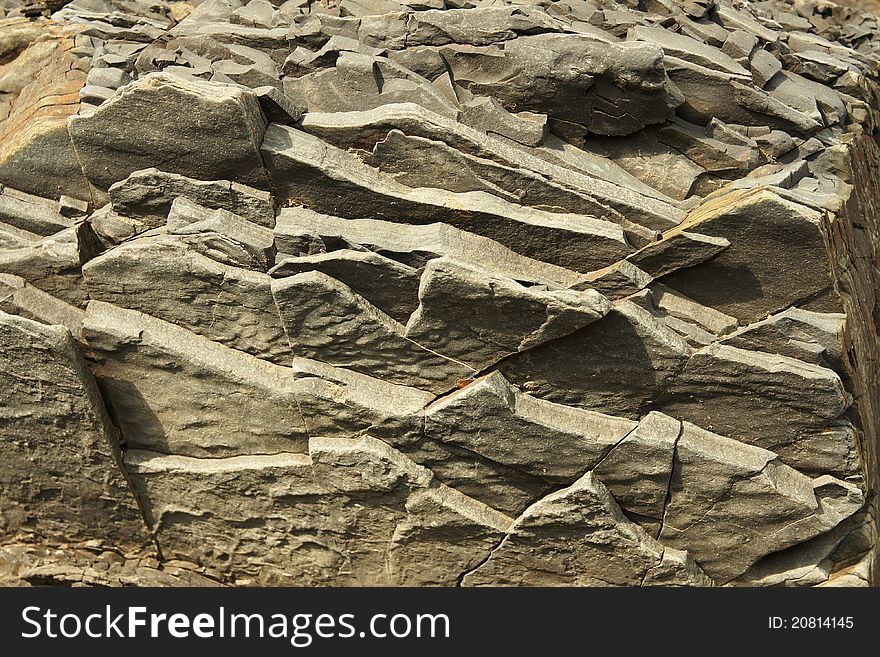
x,y
426,293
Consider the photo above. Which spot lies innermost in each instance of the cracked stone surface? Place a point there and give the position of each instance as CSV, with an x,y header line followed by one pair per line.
x,y
380,292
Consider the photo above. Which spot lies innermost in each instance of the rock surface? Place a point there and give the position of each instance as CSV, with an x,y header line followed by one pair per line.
x,y
439,293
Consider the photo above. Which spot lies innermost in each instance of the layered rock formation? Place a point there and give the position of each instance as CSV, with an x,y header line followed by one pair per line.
x,y
439,293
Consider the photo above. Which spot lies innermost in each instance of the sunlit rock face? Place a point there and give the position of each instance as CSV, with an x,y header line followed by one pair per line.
x,y
368,292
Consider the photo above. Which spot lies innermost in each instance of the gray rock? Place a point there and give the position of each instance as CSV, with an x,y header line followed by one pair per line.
x,y
18,297
574,537
650,161
94,95
739,45
477,318
612,89
230,305
222,236
776,256
733,99
54,264
303,168
687,48
14,238
612,191
112,228
444,535
638,468
617,281
677,250
488,115
673,303
72,207
418,162
343,513
618,365
720,487
111,78
764,66
325,320
808,336
360,81
416,245
252,76
390,286
170,389
169,112
75,488
550,441
31,213
149,193
758,398
715,154
277,106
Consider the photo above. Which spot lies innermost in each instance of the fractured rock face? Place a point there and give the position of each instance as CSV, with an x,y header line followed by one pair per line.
x,y
576,536
479,319
638,468
325,320
606,88
776,256
75,489
414,292
227,303
616,365
391,286
776,400
340,511
546,440
169,389
149,194
302,167
169,112
720,487
222,235
54,264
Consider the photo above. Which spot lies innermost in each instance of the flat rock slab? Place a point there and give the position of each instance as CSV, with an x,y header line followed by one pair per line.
x,y
596,185
776,258
577,536
762,399
616,365
391,286
149,193
414,245
54,264
18,297
551,441
732,503
198,129
478,318
678,251
307,170
638,468
165,277
809,336
31,213
75,488
222,235
350,511
325,320
170,390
